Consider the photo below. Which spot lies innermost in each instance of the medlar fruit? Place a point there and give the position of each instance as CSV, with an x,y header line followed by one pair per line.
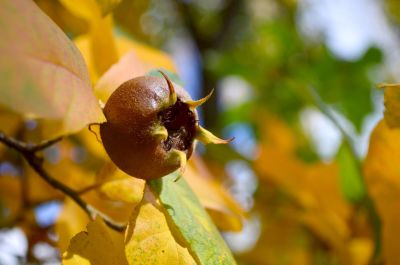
x,y
152,126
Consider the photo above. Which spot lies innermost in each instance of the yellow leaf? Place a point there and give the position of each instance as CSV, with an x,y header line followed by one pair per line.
x,y
149,57
107,5
70,222
276,133
86,9
280,233
149,238
118,211
131,65
141,60
135,59
104,51
392,104
90,9
100,245
113,193
10,197
226,213
121,187
128,189
127,68
101,40
92,142
83,43
382,176
314,186
361,250
38,189
9,124
67,21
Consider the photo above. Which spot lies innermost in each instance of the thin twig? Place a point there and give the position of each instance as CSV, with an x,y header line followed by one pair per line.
x,y
328,113
28,151
44,144
56,184
23,147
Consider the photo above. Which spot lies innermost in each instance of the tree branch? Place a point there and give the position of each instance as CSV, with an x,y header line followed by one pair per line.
x,y
228,15
28,151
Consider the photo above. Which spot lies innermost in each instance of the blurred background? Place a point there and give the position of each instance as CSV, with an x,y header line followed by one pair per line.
x,y
295,84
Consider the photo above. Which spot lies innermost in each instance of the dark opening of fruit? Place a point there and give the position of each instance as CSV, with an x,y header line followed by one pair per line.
x,y
180,123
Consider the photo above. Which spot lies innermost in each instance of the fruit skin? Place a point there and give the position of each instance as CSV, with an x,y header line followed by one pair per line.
x,y
133,120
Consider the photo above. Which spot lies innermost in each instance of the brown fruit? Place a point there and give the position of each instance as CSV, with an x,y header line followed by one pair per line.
x,y
151,127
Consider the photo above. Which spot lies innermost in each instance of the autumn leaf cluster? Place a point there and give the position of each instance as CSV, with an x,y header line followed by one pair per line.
x,y
107,216
270,197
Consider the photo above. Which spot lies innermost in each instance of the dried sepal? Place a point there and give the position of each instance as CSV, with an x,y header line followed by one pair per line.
x,y
206,137
195,103
172,93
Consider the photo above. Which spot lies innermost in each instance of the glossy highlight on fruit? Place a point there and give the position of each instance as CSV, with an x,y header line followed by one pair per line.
x,y
152,127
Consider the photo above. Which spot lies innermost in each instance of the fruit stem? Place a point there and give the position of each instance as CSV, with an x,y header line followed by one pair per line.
x,y
94,132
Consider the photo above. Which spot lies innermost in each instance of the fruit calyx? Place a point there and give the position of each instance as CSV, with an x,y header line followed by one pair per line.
x,y
180,120
180,123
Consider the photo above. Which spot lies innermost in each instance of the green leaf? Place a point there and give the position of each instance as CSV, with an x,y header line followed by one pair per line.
x,y
42,73
350,175
192,220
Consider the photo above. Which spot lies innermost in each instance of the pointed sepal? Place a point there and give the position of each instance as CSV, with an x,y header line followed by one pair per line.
x,y
195,103
206,137
172,93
